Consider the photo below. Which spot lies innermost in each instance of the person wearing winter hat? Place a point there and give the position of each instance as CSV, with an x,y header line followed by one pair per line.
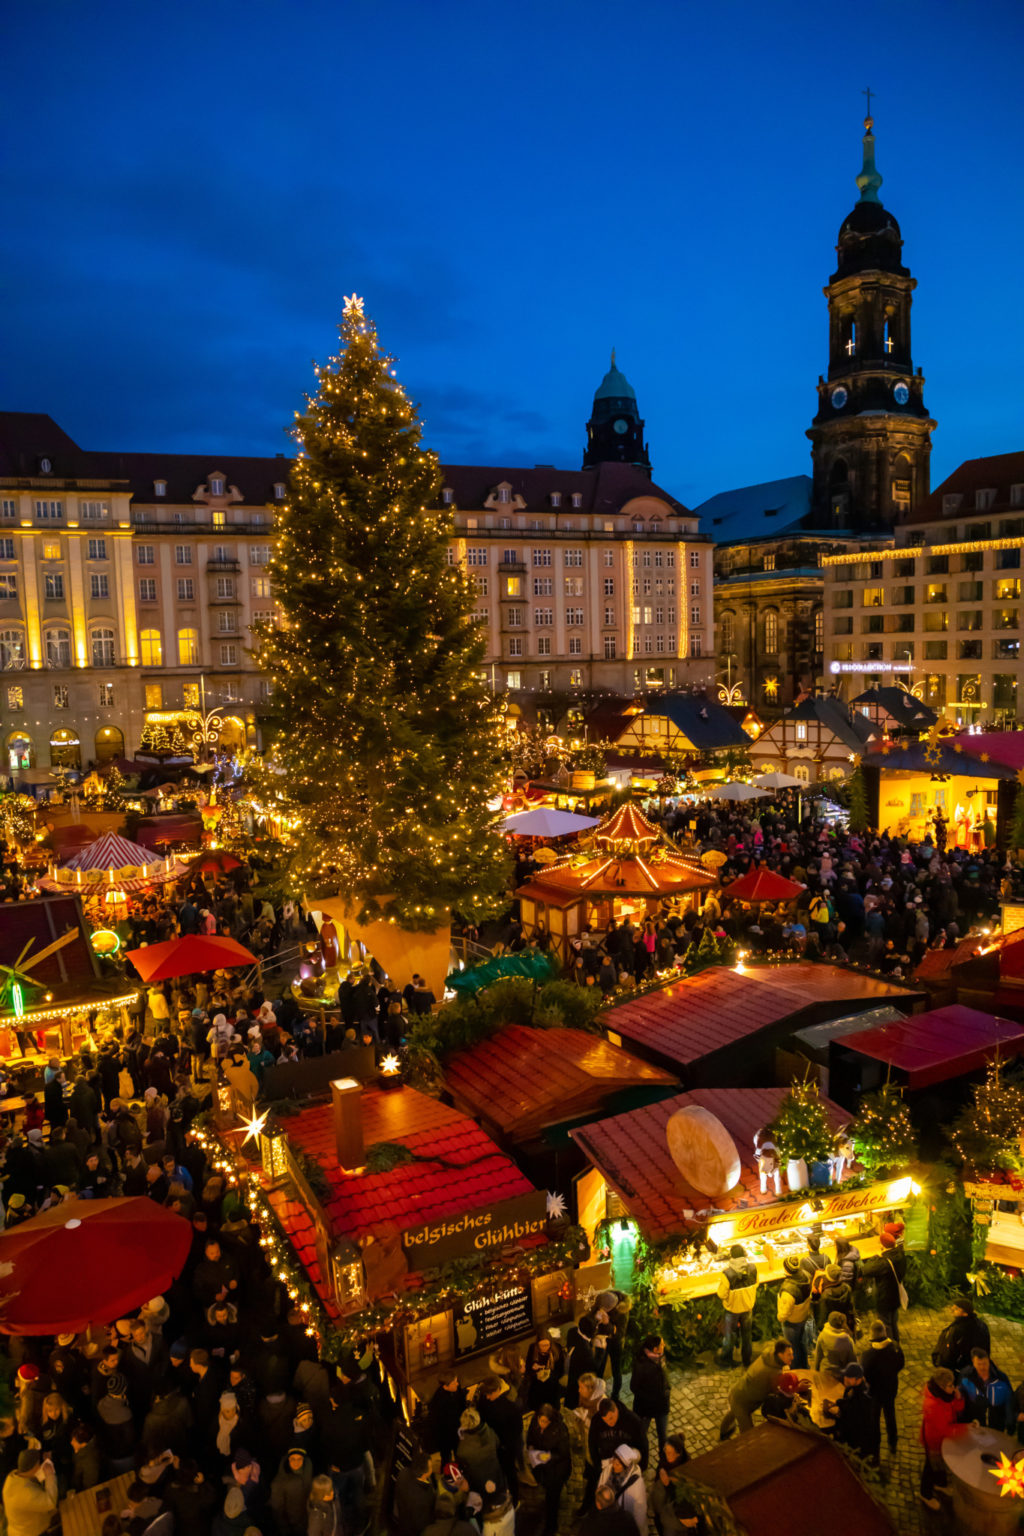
x,y
888,1269
854,1416
30,1495
834,1350
622,1474
832,1294
793,1307
233,1518
737,1289
967,1331
881,1363
790,1401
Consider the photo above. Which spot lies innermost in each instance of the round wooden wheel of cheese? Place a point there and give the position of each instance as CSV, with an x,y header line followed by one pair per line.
x,y
703,1150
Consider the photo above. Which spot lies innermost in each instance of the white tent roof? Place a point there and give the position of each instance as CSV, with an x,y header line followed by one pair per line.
x,y
777,780
544,821
735,792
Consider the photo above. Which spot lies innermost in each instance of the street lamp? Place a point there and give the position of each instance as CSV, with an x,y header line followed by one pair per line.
x,y
205,725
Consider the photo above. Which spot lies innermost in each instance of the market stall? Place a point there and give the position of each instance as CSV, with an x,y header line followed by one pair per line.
x,y
692,1174
395,1218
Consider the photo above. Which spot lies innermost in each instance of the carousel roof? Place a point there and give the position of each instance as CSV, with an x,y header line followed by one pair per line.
x,y
627,825
112,852
660,873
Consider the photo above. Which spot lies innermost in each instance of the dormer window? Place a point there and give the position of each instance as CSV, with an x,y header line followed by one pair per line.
x,y
983,499
216,485
279,490
577,499
1017,495
45,467
447,495
951,501
556,498
159,487
504,494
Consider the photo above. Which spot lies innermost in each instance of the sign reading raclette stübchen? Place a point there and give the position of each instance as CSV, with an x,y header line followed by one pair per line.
x,y
483,1321
766,1219
484,1231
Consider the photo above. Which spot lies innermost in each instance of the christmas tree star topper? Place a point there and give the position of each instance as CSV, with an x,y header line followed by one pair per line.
x,y
354,306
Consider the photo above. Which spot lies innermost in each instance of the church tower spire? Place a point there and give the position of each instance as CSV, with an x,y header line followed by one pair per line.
x,y
871,437
615,431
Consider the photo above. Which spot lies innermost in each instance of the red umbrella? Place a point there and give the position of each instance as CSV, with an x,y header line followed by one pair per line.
x,y
762,885
185,956
88,1261
217,863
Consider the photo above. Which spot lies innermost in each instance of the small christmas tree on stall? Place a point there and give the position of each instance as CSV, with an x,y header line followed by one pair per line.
x,y
882,1133
115,789
179,746
154,738
987,1135
802,1128
386,741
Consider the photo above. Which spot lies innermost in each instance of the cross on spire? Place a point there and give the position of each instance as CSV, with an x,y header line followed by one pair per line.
x,y
868,93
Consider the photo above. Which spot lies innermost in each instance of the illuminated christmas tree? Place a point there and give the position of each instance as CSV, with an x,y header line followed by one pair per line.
x,y
882,1133
154,738
802,1127
987,1134
858,801
386,740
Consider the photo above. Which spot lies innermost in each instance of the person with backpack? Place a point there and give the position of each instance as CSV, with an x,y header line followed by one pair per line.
x,y
888,1270
737,1288
793,1308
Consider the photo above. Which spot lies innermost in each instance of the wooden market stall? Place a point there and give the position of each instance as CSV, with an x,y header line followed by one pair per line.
x,y
907,786
631,1160
724,1025
386,1195
940,1046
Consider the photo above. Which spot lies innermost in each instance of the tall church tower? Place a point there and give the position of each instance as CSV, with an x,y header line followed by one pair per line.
x,y
871,438
615,433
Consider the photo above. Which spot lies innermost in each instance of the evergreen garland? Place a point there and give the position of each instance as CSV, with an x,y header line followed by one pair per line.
x,y
387,744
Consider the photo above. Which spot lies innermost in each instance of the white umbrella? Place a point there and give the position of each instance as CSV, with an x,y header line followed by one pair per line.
x,y
735,792
777,781
546,822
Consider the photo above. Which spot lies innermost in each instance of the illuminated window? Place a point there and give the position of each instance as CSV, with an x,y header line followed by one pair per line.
x,y
220,519
152,648
50,551
15,696
769,562
12,648
190,695
513,680
728,632
154,695
513,586
576,677
819,629
61,698
771,631
188,647
260,586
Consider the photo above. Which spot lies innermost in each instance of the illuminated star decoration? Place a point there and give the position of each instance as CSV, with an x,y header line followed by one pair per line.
x,y
253,1126
390,1063
1010,1477
354,306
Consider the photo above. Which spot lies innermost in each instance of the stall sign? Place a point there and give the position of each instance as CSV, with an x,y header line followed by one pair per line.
x,y
987,1190
488,1320
481,1231
779,1218
1013,916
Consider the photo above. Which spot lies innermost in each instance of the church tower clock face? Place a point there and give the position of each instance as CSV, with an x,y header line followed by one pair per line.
x,y
839,398
901,394
620,426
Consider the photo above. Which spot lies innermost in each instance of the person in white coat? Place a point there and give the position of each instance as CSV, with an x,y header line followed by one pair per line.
x,y
622,1474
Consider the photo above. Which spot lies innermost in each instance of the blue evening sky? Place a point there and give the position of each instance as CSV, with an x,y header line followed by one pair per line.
x,y
189,190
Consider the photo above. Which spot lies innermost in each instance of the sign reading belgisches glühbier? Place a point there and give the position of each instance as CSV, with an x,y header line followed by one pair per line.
x,y
484,1231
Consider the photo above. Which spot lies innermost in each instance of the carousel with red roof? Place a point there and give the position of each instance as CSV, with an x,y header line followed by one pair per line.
x,y
627,867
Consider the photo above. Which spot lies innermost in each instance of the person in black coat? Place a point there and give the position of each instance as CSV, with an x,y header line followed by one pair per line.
x,y
605,1517
581,1359
855,1415
651,1388
499,1409
415,1494
967,1331
881,1363
545,1362
443,1414
888,1270
550,1458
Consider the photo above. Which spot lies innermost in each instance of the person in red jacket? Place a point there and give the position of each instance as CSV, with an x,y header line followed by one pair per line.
x,y
941,1408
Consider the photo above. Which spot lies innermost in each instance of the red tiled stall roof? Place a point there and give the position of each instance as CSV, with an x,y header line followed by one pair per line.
x,y
631,1151
943,1043
298,1226
694,1018
524,1079
358,1204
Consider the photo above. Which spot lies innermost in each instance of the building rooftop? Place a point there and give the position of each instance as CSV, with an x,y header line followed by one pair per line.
x,y
603,490
757,511
999,472
693,1019
524,1080
943,1043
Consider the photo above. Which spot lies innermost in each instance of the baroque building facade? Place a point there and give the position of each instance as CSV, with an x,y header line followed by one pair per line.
x,y
130,584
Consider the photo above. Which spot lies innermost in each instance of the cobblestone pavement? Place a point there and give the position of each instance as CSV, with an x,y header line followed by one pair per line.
x,y
699,1400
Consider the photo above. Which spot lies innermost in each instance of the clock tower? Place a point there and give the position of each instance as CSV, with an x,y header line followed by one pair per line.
x,y
871,437
615,433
